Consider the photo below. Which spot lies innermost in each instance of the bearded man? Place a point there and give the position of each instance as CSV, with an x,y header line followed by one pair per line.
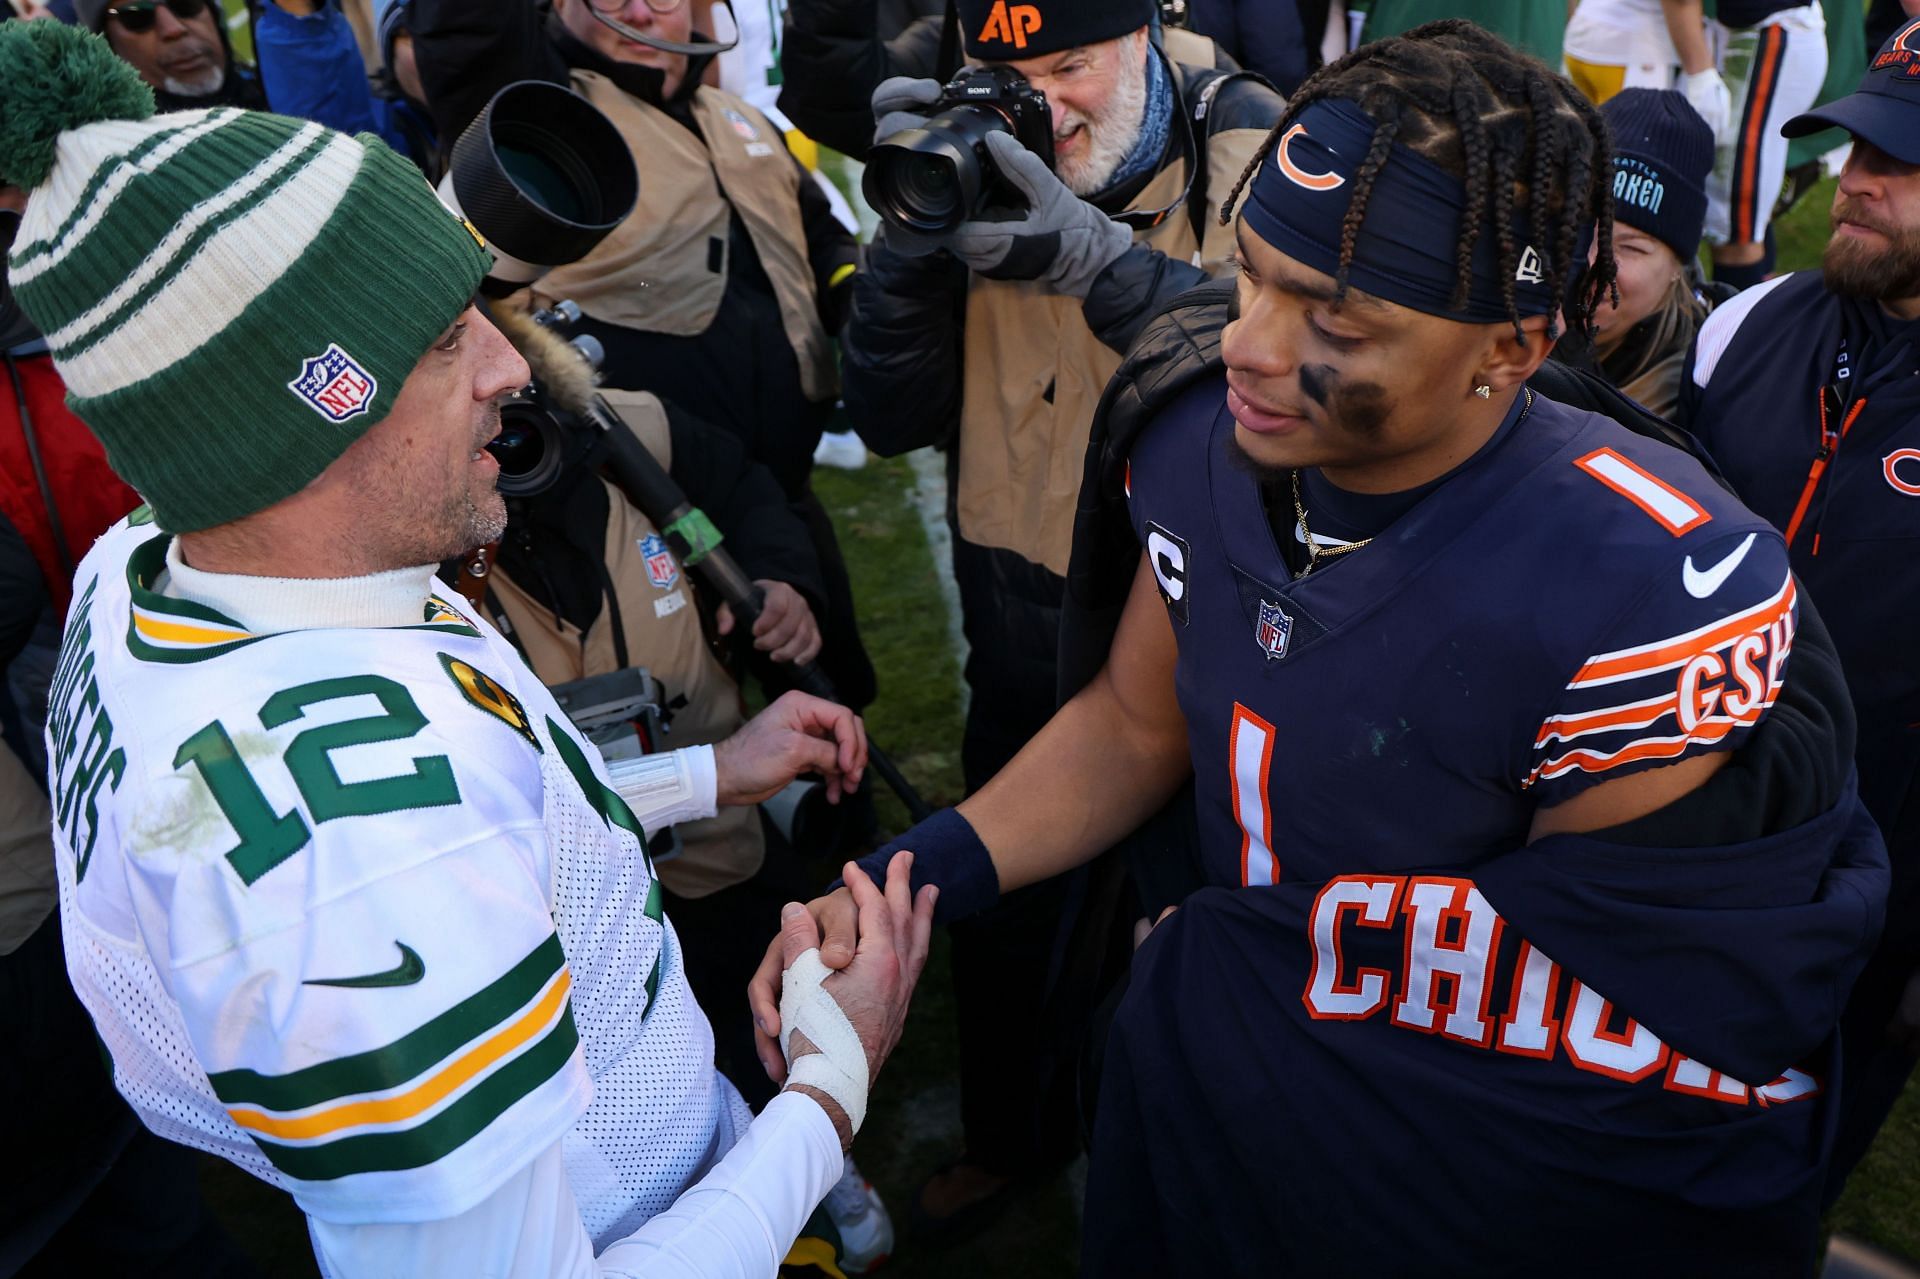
x,y
1000,335
1807,390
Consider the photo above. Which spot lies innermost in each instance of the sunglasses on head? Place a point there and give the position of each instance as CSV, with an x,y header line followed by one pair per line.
x,y
137,16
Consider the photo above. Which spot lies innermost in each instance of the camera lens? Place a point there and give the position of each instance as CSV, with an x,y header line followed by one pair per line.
x,y
543,176
528,448
931,179
926,188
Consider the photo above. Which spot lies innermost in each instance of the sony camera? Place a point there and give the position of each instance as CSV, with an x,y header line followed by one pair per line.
x,y
932,178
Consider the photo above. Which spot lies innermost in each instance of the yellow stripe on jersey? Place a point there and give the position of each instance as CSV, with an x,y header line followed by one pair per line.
x,y
424,1095
171,631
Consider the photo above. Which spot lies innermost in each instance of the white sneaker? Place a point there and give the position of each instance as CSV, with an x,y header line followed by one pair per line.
x,y
866,1232
842,449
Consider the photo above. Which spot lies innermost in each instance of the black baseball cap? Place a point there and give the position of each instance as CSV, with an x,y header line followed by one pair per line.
x,y
1885,109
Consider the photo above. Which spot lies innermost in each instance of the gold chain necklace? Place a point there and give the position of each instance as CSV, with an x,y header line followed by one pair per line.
x,y
1315,553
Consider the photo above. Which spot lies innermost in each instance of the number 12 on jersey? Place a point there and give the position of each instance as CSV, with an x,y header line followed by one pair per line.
x,y
1250,763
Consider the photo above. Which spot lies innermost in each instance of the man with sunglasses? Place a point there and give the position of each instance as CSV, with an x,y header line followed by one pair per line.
x,y
180,49
310,66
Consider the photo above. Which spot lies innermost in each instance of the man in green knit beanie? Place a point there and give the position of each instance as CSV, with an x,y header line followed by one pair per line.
x,y
282,756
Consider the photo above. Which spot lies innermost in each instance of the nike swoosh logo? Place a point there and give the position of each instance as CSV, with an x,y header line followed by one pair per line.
x,y
1702,583
410,970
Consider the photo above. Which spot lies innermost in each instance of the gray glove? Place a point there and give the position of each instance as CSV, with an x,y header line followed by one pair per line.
x,y
1058,240
894,102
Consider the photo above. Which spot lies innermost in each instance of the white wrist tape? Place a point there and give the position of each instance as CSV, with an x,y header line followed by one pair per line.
x,y
839,1069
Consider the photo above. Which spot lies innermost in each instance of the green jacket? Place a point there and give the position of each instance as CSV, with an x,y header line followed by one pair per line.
x,y
1538,26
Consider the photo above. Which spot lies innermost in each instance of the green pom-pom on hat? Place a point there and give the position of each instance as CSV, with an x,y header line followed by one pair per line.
x,y
53,78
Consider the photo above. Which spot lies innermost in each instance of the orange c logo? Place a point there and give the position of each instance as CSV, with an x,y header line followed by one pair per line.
x,y
1297,175
1890,465
1903,40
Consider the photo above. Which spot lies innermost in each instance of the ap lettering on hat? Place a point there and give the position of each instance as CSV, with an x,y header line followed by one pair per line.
x,y
1010,24
1015,30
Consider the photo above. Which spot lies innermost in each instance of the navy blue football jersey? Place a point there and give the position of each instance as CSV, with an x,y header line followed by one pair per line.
x,y
1393,1037
1576,604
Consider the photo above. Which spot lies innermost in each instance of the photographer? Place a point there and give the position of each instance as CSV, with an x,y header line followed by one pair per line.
x,y
722,290
837,52
1001,335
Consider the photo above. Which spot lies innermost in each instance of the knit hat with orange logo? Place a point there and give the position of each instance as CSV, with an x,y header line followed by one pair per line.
x,y
1015,30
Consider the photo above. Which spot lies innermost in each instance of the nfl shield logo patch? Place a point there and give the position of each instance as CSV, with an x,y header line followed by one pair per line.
x,y
742,126
335,385
662,570
1274,630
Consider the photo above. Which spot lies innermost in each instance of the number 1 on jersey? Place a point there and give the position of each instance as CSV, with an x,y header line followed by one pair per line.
x,y
1249,764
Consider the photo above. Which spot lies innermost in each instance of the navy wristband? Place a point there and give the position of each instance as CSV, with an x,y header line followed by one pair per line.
x,y
948,854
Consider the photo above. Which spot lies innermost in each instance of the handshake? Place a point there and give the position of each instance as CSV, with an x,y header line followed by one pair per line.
x,y
828,1014
832,1030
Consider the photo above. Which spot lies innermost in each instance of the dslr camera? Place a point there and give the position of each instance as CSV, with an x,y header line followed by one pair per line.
x,y
932,178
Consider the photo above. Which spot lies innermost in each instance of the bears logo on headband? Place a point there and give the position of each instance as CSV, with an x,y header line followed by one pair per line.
x,y
1405,248
1298,176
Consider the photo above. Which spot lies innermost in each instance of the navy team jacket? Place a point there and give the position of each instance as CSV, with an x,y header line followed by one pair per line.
x,y
1843,477
1393,1038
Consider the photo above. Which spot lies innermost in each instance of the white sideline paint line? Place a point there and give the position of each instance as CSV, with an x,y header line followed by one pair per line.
x,y
930,500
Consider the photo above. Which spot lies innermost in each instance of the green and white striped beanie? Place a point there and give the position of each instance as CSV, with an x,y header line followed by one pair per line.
x,y
232,297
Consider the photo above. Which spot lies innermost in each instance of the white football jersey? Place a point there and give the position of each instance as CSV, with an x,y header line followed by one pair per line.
x,y
358,910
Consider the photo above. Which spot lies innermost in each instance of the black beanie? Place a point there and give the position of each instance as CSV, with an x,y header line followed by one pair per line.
x,y
1662,152
1005,31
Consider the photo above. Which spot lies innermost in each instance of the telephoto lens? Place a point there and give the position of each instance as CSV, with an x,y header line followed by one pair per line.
x,y
543,176
932,178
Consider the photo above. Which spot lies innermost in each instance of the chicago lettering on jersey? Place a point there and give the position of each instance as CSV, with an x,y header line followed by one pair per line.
x,y
1427,951
83,758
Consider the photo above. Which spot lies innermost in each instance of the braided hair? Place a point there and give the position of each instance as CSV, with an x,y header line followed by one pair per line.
x,y
1512,131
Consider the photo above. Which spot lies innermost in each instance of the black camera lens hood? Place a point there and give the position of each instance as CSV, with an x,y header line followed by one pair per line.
x,y
567,135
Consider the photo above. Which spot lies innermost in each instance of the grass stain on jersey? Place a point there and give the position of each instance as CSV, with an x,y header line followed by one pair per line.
x,y
190,817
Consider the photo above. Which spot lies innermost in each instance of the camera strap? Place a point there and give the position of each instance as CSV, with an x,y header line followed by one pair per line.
x,y
948,61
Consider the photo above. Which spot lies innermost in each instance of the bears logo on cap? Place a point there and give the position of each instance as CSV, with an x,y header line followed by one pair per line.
x,y
1010,25
1297,175
1901,51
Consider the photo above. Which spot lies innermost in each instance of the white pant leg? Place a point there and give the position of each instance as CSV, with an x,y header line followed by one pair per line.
x,y
1774,71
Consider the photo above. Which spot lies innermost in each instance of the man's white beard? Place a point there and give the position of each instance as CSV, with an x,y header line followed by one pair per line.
x,y
198,87
1110,135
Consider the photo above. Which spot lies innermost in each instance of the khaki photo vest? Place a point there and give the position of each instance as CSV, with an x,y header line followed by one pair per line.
x,y
1034,372
664,270
662,624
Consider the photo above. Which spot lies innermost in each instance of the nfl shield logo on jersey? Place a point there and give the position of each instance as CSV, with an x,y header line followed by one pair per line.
x,y
662,571
335,385
1274,630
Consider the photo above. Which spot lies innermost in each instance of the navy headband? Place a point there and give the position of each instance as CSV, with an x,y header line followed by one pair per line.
x,y
1404,251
